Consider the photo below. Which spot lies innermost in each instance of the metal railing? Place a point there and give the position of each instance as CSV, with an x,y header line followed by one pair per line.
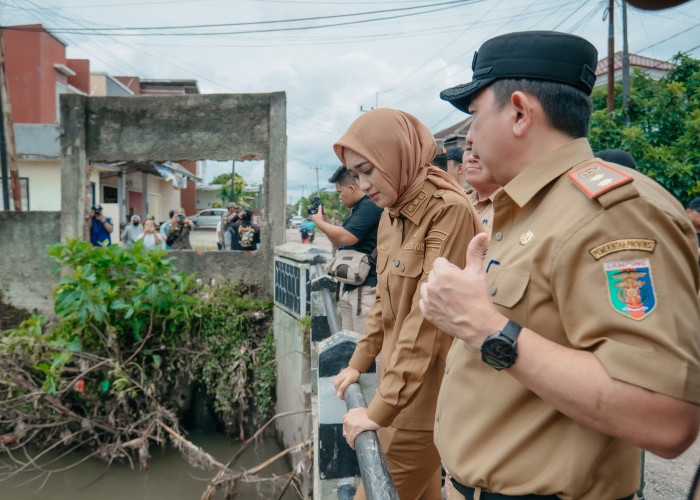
x,y
376,478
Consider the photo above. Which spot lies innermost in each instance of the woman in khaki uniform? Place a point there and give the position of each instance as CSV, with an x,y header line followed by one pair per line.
x,y
427,215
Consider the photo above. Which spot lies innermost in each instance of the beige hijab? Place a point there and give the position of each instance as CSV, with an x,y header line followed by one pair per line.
x,y
401,147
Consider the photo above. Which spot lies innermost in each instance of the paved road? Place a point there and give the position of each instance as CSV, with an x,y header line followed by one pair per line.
x,y
205,239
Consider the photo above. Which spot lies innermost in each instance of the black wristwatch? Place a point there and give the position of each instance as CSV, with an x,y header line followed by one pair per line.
x,y
499,350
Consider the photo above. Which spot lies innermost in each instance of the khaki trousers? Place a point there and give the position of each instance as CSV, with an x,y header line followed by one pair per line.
x,y
350,319
414,464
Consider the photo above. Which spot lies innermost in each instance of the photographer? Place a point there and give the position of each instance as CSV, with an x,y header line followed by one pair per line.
x,y
358,232
100,227
179,231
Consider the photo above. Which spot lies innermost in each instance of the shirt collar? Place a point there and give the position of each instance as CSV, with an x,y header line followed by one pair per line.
x,y
414,209
536,176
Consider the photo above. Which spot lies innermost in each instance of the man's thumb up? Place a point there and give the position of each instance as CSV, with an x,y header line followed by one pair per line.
x,y
475,252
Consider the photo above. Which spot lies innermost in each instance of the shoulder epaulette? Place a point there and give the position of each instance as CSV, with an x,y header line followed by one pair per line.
x,y
597,178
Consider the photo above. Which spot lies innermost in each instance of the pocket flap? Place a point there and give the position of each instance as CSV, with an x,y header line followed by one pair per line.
x,y
408,264
510,285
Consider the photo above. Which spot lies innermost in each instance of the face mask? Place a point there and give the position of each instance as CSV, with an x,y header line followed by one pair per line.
x,y
135,223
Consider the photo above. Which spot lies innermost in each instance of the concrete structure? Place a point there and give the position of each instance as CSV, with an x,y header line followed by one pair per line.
x,y
27,281
655,68
152,129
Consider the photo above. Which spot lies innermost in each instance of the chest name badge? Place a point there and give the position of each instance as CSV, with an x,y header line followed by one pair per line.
x,y
630,287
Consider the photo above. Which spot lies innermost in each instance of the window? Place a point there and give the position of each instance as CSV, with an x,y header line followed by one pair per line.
x,y
109,194
24,195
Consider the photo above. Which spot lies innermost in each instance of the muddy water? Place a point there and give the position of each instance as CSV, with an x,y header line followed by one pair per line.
x,y
169,476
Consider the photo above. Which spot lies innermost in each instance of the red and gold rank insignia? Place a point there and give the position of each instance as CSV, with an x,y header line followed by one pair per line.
x,y
630,287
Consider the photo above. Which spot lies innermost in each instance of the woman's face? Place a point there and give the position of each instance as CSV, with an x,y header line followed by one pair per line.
x,y
370,180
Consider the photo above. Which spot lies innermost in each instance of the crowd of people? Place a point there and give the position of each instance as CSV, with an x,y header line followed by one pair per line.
x,y
235,230
536,305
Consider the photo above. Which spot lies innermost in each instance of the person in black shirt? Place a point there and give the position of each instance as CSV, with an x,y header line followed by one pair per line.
x,y
358,232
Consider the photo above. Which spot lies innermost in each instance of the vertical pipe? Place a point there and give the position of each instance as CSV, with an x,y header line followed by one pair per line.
x,y
625,67
611,57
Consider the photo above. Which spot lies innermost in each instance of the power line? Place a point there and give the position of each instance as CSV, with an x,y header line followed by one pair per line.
x,y
101,30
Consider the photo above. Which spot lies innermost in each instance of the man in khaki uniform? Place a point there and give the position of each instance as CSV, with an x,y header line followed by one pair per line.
x,y
577,333
482,190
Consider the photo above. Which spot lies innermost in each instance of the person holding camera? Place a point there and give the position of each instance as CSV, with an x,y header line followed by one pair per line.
x,y
179,231
100,227
358,232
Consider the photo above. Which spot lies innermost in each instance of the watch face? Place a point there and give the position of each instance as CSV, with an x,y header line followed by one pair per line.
x,y
498,353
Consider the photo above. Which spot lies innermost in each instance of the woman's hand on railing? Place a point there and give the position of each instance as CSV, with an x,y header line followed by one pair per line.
x,y
356,421
346,377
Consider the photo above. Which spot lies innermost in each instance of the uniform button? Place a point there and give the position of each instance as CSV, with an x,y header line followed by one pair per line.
x,y
391,317
447,369
498,236
396,263
437,416
493,290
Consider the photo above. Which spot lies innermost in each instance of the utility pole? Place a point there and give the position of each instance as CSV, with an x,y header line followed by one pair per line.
x,y
376,104
233,178
625,67
318,186
611,57
8,158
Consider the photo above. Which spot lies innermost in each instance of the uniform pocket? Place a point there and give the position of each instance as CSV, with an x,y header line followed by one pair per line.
x,y
408,264
509,286
382,257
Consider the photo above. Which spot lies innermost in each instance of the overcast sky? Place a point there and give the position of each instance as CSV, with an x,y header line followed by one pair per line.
x,y
330,62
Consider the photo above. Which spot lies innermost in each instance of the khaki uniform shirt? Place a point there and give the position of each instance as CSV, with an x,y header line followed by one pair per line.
x,y
484,209
436,223
613,274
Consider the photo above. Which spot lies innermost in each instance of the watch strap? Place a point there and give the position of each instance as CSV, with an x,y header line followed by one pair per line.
x,y
511,331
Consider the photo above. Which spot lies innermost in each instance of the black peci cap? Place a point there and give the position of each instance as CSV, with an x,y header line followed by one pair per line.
x,y
533,55
455,153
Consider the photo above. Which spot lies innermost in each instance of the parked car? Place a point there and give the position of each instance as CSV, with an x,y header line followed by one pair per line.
x,y
297,220
209,218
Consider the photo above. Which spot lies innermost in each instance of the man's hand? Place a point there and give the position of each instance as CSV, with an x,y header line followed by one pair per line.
x,y
346,377
457,300
320,216
356,421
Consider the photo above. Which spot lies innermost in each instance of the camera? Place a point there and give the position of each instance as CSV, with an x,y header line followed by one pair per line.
x,y
98,212
313,208
181,218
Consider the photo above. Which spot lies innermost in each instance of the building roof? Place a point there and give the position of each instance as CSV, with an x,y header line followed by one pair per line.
x,y
635,61
460,128
168,87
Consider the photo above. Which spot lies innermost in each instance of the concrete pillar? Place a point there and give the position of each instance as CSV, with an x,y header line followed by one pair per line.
x,y
121,198
144,196
73,167
293,266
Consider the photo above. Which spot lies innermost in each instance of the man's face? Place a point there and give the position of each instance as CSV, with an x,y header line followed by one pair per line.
x,y
456,169
694,218
486,134
346,194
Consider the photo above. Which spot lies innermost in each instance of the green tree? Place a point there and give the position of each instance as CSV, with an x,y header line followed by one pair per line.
x,y
664,130
224,194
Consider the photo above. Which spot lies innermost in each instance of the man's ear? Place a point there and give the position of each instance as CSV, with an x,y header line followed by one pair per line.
x,y
522,108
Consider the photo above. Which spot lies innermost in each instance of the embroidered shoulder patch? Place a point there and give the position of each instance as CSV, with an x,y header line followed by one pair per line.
x,y
630,287
596,178
642,244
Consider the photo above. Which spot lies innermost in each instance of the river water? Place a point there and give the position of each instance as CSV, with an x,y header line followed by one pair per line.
x,y
169,476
